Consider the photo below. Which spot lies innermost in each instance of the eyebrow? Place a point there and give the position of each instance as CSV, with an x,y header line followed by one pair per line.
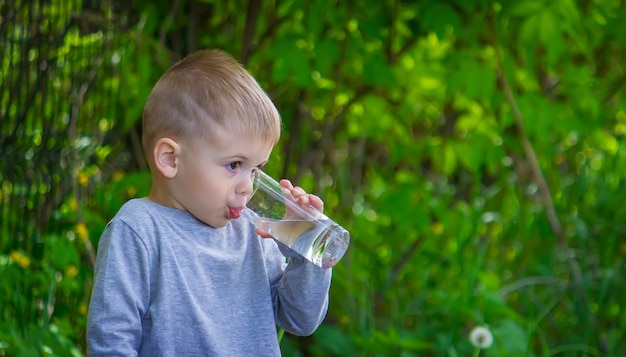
x,y
236,157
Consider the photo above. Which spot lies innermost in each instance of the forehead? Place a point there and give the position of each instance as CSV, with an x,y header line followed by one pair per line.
x,y
227,143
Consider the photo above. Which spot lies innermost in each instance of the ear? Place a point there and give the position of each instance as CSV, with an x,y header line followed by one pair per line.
x,y
165,155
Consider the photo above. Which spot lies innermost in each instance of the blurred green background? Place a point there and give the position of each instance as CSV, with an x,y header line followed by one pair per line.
x,y
473,148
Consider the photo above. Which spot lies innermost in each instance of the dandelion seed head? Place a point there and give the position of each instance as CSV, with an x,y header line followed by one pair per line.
x,y
481,337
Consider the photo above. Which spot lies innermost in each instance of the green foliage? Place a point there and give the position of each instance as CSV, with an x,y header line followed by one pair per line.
x,y
474,149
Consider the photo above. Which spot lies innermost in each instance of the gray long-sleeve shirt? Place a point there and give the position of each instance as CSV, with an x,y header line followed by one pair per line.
x,y
168,285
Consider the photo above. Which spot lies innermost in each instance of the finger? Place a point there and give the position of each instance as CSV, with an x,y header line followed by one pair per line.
x,y
286,184
298,191
303,200
263,233
316,202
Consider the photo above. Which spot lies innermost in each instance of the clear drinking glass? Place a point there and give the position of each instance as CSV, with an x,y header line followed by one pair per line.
x,y
307,231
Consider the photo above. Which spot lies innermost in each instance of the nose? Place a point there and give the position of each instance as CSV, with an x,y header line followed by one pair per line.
x,y
246,182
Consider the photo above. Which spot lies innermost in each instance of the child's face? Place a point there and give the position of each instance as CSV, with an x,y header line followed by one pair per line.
x,y
208,171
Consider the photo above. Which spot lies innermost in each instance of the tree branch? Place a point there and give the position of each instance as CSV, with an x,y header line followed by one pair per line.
x,y
248,33
294,133
395,270
73,136
531,157
168,21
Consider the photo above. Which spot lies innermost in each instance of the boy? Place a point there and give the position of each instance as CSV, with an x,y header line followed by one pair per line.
x,y
177,274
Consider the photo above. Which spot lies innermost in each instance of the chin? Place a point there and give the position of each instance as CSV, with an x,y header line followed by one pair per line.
x,y
215,223
221,224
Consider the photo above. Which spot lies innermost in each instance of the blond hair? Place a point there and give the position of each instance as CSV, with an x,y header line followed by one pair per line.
x,y
205,88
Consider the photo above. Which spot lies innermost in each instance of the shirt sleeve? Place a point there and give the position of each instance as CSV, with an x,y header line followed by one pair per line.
x,y
300,293
120,295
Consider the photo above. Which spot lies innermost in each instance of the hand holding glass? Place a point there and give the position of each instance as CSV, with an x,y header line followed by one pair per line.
x,y
273,209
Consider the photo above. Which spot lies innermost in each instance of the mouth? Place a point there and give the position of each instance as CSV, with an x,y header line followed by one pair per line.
x,y
234,213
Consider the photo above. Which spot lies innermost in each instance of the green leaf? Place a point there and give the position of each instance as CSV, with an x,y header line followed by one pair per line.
x,y
300,68
334,340
376,71
316,17
470,154
62,253
526,8
530,29
393,338
550,36
440,18
327,55
475,79
449,163
510,337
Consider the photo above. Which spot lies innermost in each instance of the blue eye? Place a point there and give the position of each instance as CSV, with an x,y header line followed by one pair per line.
x,y
233,166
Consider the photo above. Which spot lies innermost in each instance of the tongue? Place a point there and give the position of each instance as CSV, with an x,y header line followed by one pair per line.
x,y
234,213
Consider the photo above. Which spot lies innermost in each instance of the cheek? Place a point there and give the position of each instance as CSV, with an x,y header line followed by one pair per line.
x,y
203,183
195,181
208,186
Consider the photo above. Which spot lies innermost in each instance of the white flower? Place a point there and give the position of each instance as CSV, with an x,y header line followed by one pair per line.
x,y
481,337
